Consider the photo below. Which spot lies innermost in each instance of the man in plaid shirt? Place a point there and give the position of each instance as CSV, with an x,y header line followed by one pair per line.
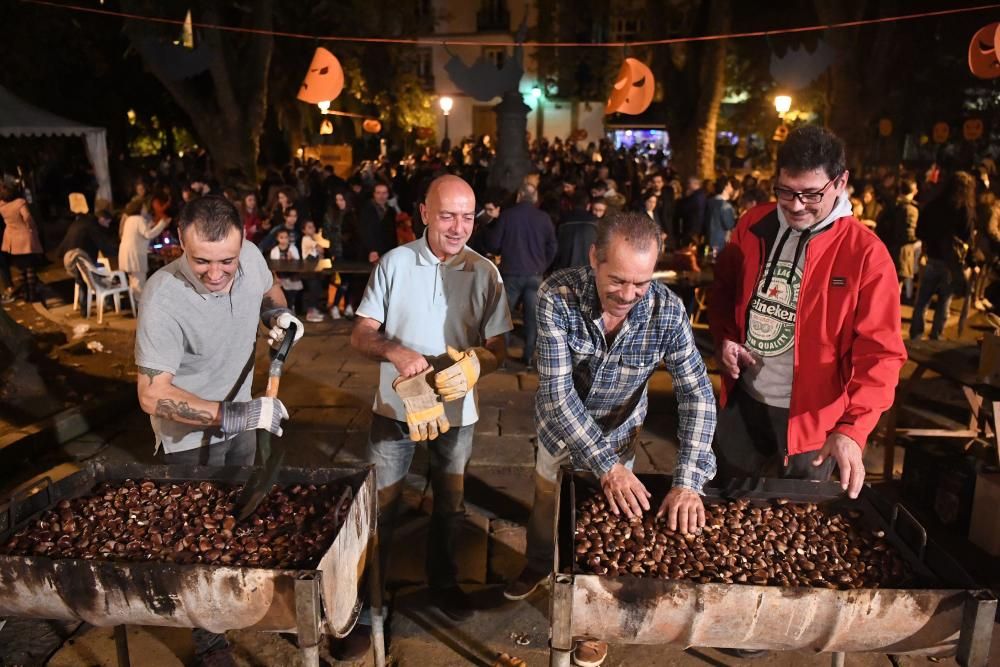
x,y
602,330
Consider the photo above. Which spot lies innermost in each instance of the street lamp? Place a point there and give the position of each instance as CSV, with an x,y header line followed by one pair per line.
x,y
782,103
446,104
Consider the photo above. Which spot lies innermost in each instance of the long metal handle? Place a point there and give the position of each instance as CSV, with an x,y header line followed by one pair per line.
x,y
897,508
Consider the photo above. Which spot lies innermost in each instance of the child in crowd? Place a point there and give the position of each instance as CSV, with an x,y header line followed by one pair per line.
x,y
313,245
291,285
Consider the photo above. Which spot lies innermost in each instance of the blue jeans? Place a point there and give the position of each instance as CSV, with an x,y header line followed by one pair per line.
x,y
936,279
391,450
524,289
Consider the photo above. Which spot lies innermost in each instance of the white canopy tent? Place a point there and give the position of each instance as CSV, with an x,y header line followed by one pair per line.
x,y
20,119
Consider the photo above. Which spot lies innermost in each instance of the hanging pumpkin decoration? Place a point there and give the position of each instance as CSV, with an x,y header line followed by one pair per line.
x,y
633,89
972,129
983,52
324,80
372,125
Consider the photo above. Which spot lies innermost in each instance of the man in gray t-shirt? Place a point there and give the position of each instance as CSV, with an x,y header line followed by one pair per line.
x,y
194,348
195,341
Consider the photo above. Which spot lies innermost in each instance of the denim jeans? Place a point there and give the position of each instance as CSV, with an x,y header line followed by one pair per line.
x,y
540,545
391,450
936,279
524,289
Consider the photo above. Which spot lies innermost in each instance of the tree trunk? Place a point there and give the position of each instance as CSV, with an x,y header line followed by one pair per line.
x,y
227,111
856,86
694,143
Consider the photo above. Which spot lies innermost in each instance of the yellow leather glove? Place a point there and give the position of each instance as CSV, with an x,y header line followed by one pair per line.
x,y
424,412
457,380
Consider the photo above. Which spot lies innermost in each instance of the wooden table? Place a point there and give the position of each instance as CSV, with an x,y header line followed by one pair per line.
x,y
957,362
318,266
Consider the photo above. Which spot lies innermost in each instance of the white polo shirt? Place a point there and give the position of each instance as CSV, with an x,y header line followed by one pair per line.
x,y
426,304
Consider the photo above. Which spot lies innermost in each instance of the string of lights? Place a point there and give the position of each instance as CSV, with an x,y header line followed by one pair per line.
x,y
437,41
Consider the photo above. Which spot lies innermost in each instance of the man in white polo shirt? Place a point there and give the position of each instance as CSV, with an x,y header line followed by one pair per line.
x,y
423,298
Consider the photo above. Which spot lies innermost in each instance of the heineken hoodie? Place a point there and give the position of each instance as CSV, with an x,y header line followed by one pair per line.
x,y
772,311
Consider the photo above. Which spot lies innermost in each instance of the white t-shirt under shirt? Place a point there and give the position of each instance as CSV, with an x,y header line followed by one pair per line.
x,y
205,339
426,305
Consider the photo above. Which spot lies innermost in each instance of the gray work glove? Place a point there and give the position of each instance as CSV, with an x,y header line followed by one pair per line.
x,y
265,413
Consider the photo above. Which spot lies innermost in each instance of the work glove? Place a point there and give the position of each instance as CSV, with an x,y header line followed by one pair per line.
x,y
457,380
281,319
265,413
424,412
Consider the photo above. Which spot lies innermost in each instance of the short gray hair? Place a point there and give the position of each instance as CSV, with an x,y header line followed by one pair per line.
x,y
636,229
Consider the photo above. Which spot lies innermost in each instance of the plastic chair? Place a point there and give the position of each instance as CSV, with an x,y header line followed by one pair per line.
x,y
101,284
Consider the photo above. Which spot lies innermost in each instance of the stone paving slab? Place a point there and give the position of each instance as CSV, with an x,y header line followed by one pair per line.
x,y
502,450
489,421
319,418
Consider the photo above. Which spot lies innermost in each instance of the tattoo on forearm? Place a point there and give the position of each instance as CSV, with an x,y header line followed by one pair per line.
x,y
149,372
172,410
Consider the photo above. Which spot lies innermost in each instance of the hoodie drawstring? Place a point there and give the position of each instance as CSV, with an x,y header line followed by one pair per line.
x,y
775,257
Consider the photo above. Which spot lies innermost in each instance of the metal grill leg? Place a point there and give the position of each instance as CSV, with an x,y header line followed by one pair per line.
x,y
839,659
561,613
307,619
377,608
121,645
977,630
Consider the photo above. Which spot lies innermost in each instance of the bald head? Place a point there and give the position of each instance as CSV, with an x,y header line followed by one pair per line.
x,y
449,211
448,183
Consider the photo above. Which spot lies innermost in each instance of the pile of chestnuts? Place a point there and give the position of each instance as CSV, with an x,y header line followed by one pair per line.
x,y
777,543
188,522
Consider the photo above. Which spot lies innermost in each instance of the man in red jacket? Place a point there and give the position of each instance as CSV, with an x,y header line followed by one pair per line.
x,y
805,316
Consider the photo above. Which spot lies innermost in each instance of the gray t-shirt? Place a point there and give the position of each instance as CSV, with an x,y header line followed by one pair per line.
x,y
426,305
205,339
773,309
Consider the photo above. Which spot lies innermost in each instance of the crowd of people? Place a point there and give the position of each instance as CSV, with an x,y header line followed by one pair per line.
x,y
942,228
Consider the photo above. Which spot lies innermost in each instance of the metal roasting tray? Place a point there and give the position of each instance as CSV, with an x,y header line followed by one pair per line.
x,y
214,597
943,612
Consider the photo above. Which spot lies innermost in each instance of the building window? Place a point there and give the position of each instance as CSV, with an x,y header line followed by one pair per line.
x,y
625,29
423,66
496,55
493,15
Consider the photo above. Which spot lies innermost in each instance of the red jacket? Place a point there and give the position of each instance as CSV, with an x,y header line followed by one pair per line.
x,y
848,345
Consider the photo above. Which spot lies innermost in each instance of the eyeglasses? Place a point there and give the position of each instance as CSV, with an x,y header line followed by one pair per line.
x,y
785,194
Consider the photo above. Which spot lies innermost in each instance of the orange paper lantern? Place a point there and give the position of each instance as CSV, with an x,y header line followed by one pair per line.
x,y
885,127
324,80
372,126
633,89
983,52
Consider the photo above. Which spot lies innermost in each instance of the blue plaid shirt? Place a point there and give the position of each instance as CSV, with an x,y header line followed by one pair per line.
x,y
592,397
